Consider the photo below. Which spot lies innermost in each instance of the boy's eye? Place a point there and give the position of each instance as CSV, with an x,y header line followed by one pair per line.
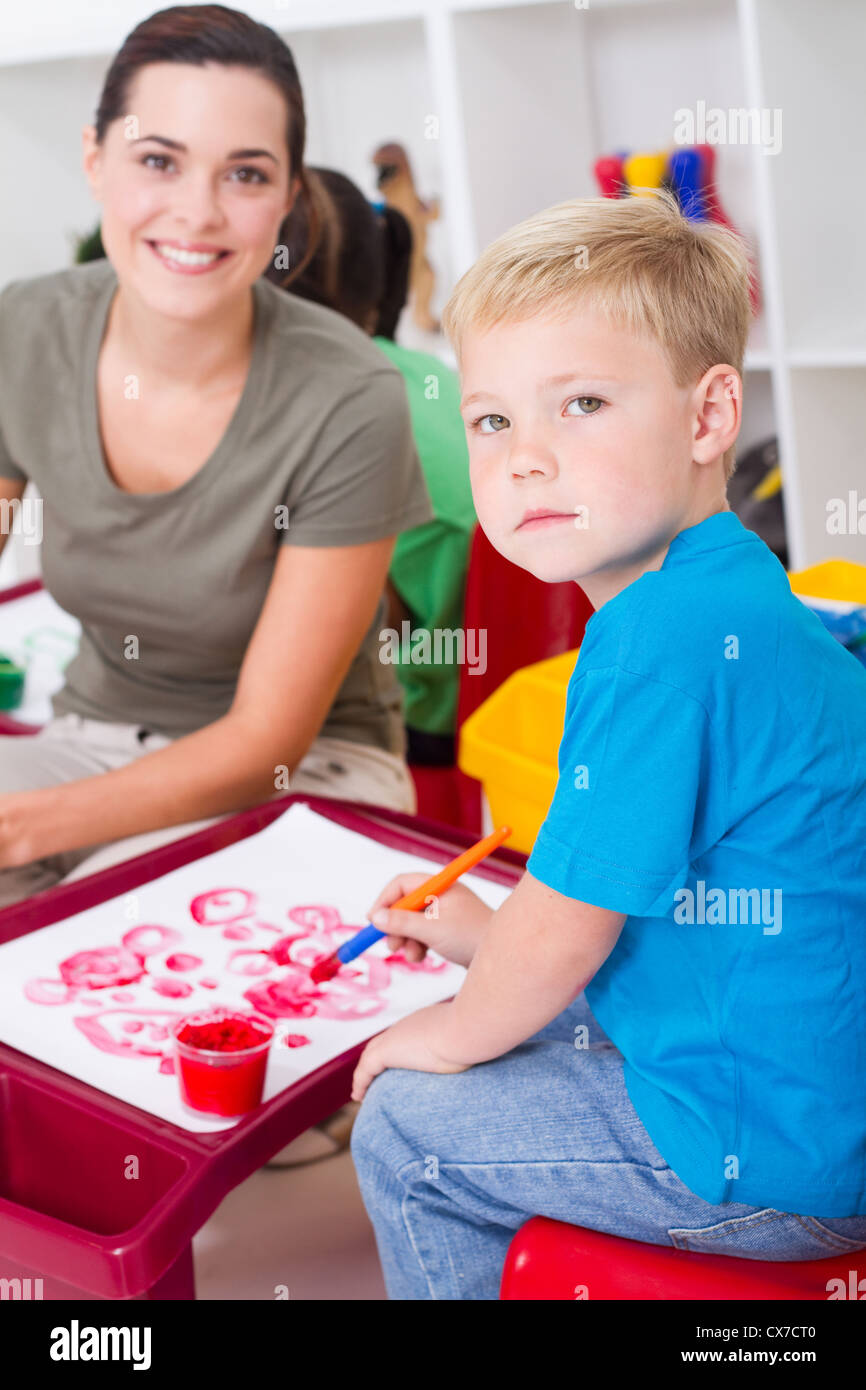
x,y
498,423
589,405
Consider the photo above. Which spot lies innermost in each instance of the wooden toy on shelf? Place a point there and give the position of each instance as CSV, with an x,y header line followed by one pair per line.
x,y
394,180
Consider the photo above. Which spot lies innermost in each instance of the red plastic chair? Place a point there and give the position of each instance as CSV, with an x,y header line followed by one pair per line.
x,y
549,1260
525,620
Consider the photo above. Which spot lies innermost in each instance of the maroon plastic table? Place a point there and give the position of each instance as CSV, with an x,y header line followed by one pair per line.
x,y
67,1214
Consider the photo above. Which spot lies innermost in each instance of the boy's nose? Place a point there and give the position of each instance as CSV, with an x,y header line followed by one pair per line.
x,y
532,460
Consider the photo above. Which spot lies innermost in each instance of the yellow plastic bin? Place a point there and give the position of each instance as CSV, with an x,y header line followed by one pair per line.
x,y
510,744
842,581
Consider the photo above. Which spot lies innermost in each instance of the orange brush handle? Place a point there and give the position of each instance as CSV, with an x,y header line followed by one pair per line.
x,y
451,872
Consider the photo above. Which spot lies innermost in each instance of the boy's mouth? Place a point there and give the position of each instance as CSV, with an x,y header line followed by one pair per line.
x,y
538,517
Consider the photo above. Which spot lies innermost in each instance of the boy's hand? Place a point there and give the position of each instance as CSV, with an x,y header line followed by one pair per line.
x,y
457,921
410,1043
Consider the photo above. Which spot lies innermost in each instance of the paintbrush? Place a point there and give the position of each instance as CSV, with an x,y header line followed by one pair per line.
x,y
410,902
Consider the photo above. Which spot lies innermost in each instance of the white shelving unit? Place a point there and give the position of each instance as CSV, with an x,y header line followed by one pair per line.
x,y
527,95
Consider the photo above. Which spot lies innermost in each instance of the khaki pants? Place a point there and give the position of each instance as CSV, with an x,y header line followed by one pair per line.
x,y
71,747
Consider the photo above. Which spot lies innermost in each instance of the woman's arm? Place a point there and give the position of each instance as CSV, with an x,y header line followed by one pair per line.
x,y
320,602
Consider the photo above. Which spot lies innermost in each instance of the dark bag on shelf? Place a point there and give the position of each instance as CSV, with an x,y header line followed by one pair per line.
x,y
755,494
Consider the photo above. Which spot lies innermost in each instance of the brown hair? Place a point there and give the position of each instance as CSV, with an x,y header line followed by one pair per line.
x,y
200,34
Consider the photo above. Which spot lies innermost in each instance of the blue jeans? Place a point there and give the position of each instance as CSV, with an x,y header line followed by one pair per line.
x,y
450,1166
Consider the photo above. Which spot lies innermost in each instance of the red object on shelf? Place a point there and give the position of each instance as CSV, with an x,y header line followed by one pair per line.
x,y
553,1261
609,176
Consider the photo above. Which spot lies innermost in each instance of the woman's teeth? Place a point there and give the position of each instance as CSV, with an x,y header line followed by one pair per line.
x,y
174,253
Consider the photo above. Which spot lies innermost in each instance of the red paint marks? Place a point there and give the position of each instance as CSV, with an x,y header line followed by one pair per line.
x,y
325,969
317,931
268,926
249,963
49,991
103,1031
316,917
150,940
101,968
280,952
172,989
295,995
237,933
291,997
221,905
179,961
166,1066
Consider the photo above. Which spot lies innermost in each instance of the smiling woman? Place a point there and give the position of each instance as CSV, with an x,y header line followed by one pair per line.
x,y
223,470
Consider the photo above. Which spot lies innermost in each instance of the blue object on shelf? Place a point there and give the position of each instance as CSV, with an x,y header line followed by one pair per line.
x,y
685,173
848,628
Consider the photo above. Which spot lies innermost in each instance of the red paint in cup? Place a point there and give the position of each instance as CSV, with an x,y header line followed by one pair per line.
x,y
222,1056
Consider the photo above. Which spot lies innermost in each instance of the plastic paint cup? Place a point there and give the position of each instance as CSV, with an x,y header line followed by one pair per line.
x,y
222,1057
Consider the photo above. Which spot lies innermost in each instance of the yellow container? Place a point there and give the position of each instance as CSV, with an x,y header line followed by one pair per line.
x,y
832,579
510,744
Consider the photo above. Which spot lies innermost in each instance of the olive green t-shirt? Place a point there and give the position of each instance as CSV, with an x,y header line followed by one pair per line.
x,y
319,452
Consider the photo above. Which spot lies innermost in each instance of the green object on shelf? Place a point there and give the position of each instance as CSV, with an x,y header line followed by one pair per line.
x,y
11,683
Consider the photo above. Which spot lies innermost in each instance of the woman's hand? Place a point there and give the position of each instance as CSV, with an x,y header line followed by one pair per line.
x,y
411,1043
451,923
17,845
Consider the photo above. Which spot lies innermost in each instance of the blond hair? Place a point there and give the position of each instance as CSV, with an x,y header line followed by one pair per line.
x,y
638,259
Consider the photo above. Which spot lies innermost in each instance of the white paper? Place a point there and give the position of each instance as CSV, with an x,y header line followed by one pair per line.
x,y
43,638
301,860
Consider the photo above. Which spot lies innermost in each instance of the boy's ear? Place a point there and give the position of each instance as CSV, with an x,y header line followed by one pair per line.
x,y
718,411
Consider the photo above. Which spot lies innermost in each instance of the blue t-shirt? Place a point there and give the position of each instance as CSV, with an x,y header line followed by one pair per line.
x,y
712,785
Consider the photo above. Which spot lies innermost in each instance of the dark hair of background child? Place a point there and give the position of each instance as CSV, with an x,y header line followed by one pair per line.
x,y
361,264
